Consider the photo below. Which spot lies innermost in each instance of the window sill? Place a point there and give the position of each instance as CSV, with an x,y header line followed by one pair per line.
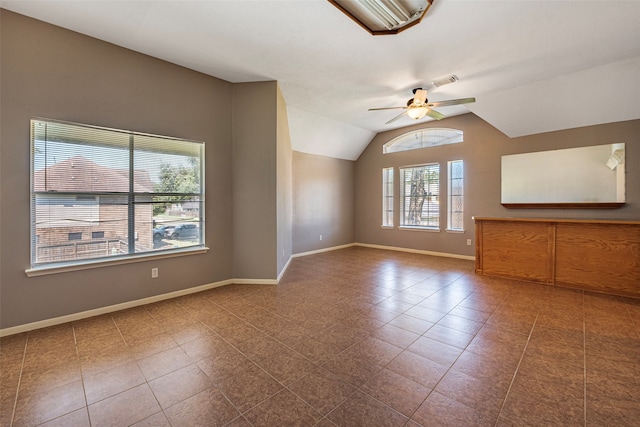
x,y
431,229
388,227
87,265
452,230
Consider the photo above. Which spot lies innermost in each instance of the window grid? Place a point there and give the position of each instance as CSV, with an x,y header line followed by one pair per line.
x,y
420,196
455,205
387,197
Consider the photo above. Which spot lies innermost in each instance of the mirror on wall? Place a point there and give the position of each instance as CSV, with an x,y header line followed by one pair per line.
x,y
584,177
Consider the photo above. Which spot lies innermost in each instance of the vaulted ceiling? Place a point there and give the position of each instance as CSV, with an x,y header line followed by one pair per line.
x,y
532,66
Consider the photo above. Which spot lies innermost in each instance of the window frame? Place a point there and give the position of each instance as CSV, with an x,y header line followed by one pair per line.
x,y
133,196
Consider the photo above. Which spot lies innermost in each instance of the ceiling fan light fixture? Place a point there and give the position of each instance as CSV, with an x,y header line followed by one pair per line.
x,y
417,112
380,17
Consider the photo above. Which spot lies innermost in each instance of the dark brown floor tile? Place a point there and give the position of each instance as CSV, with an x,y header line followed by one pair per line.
x,y
449,336
13,346
287,366
461,324
109,383
54,356
105,359
224,365
396,336
470,313
283,409
125,408
152,345
322,389
179,385
439,410
485,396
484,368
317,351
79,418
374,349
613,413
400,393
417,368
354,369
614,348
35,407
48,376
411,324
207,408
363,410
164,362
93,327
188,332
51,337
205,347
425,313
249,387
156,420
528,408
437,351
398,305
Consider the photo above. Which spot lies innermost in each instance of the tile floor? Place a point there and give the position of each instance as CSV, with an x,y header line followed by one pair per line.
x,y
355,337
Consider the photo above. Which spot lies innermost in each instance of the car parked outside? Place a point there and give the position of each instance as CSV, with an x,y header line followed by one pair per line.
x,y
184,230
162,231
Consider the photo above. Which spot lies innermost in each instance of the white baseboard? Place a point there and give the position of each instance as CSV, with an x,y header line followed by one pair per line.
x,y
416,251
108,309
318,251
255,281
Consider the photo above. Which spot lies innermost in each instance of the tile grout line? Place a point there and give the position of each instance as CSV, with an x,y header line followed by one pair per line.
x,y
84,391
584,360
515,373
15,400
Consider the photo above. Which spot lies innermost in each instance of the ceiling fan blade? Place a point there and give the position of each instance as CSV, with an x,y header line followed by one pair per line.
x,y
420,96
396,117
385,108
435,115
451,102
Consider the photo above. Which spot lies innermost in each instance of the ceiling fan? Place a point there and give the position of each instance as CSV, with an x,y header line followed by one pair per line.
x,y
419,106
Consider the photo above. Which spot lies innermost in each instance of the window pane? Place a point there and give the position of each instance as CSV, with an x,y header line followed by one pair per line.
x,y
420,194
456,195
387,197
423,138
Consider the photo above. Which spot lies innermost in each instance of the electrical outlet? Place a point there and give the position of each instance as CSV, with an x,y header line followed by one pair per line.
x,y
468,242
154,272
321,237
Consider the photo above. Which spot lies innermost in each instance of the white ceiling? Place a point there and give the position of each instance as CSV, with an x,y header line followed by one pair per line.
x,y
533,66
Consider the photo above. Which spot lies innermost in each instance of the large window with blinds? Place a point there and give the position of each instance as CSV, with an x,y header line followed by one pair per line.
x,y
99,193
420,196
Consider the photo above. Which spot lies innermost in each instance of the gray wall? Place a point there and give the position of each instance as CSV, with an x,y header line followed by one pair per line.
x,y
254,180
323,202
481,151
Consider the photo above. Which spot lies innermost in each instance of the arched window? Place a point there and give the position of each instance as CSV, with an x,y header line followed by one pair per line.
x,y
423,138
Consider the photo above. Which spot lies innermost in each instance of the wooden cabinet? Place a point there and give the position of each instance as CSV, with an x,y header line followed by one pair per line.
x,y
596,255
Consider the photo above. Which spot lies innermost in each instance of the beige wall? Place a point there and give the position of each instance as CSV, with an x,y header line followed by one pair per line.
x,y
323,202
54,73
481,151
